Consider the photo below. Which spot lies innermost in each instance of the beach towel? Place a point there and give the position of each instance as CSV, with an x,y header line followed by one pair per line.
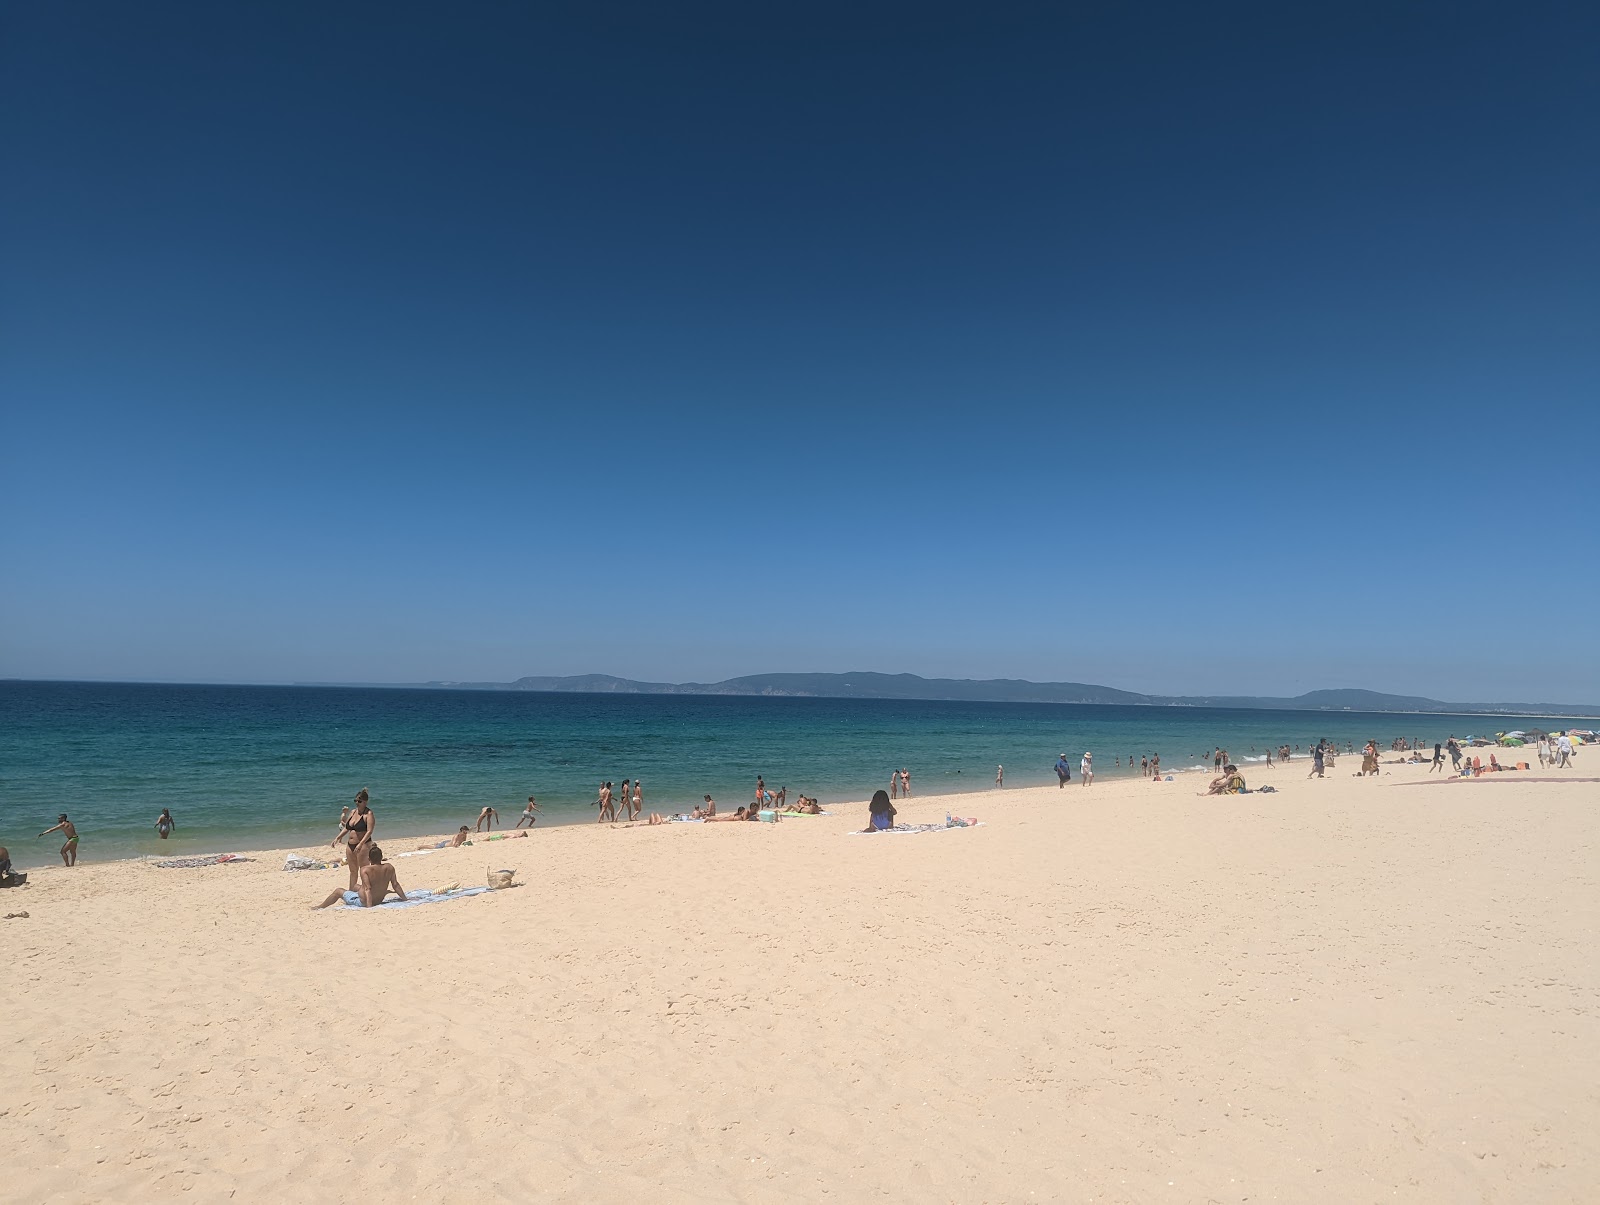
x,y
415,899
208,860
685,820
296,862
969,822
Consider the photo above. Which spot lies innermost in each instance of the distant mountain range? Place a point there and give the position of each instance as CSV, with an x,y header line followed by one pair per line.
x,y
1009,690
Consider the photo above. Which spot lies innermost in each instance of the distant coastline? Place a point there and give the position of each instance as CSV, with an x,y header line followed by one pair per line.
x,y
869,685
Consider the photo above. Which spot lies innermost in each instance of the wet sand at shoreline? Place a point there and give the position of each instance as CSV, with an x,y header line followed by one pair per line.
x,y
1121,993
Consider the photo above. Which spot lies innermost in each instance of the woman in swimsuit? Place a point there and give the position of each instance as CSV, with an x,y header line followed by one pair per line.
x,y
165,824
69,849
358,833
638,799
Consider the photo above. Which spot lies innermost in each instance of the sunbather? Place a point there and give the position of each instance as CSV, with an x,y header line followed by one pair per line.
x,y
454,842
744,813
880,813
8,876
377,880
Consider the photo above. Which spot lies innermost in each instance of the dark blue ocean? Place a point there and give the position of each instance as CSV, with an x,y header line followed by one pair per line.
x,y
246,767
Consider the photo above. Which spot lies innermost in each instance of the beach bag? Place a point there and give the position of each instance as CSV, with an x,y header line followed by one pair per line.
x,y
499,880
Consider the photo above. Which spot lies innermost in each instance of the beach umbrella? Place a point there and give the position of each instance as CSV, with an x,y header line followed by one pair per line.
x,y
1516,732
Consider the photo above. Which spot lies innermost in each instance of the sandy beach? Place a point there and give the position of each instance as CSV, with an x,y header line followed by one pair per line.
x,y
1349,990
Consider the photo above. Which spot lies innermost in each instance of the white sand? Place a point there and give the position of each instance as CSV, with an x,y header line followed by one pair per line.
x,y
1352,990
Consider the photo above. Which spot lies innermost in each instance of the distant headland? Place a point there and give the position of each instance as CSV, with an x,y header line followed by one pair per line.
x,y
867,685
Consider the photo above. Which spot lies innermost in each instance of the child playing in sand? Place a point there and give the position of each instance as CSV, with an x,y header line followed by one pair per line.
x,y
69,848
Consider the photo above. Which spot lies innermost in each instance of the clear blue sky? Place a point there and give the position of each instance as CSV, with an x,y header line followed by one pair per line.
x,y
395,343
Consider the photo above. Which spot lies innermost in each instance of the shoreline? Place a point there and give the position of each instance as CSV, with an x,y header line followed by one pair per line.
x,y
1126,992
855,806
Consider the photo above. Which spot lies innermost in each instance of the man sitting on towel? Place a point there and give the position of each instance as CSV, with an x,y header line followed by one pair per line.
x,y
377,880
1230,782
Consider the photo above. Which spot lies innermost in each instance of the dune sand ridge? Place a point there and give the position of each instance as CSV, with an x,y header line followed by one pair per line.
x,y
1342,991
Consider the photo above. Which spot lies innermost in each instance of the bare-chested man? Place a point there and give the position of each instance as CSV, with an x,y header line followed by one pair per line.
x,y
529,813
487,817
378,879
69,848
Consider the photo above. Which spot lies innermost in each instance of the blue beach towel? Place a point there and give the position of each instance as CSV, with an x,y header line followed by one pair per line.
x,y
415,899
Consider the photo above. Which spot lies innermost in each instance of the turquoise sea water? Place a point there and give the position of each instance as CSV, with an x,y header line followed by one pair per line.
x,y
247,767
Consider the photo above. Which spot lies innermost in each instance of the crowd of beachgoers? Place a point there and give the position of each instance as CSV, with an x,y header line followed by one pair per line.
x,y
624,805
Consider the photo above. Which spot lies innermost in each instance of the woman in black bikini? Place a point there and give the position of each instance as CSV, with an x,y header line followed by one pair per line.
x,y
358,832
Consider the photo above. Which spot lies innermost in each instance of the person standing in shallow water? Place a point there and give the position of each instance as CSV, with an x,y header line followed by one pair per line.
x,y
165,824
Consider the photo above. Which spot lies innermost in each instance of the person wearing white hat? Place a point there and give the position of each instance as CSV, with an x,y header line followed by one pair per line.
x,y
1086,768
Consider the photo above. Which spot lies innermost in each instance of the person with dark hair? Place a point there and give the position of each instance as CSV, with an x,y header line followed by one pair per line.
x,y
359,830
8,876
377,880
165,823
880,813
1063,771
69,848
529,813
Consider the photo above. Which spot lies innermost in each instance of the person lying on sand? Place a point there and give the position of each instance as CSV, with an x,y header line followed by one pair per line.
x,y
377,880
806,805
744,813
454,842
